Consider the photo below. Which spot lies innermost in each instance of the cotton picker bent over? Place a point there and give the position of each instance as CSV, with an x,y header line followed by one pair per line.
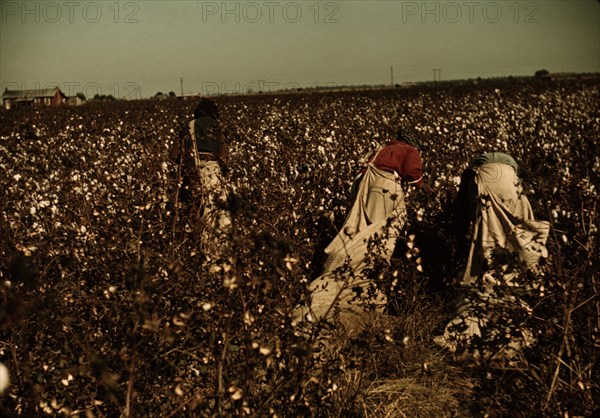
x,y
505,243
344,291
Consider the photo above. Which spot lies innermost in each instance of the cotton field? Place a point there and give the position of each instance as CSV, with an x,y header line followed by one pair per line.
x,y
112,306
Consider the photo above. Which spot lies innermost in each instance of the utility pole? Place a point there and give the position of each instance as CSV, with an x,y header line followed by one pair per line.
x,y
181,82
437,74
392,74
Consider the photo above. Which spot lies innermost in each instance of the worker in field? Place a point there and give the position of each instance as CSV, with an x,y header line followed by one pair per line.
x,y
496,224
371,228
200,153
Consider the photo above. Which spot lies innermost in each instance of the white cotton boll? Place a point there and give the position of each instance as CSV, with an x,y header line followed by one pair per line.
x,y
420,214
17,177
4,378
66,380
32,210
236,393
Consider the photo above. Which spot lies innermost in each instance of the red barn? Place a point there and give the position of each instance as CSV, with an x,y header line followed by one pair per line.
x,y
39,97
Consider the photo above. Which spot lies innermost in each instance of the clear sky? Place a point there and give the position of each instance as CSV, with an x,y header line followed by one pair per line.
x,y
137,48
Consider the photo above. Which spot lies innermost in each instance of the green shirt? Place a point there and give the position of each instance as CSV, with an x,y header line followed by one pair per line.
x,y
494,157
